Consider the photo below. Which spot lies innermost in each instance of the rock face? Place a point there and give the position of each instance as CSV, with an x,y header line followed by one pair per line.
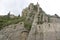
x,y
14,32
46,31
44,27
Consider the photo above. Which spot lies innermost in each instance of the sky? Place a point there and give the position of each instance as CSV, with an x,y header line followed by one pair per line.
x,y
16,6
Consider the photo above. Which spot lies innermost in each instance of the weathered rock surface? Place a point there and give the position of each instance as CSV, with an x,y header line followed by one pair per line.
x,y
46,31
14,32
44,27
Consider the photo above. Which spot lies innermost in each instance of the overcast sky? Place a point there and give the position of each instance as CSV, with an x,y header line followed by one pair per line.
x,y
16,6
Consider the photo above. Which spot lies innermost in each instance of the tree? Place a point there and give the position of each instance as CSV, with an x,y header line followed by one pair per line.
x,y
56,15
8,15
19,15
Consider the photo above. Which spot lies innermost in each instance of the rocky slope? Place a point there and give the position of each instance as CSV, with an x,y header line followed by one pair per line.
x,y
14,32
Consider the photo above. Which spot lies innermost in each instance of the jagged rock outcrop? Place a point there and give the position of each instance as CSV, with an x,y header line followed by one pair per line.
x,y
14,32
43,26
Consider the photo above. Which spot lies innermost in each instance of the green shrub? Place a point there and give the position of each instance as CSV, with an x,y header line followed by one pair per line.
x,y
4,21
40,20
27,25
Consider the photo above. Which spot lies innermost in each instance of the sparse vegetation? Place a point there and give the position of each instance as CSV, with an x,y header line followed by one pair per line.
x,y
40,20
27,25
5,21
35,8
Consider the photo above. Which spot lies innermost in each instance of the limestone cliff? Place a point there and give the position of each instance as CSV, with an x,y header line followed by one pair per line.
x,y
46,31
37,25
44,27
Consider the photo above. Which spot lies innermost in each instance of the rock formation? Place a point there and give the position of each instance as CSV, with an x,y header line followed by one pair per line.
x,y
14,32
44,27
